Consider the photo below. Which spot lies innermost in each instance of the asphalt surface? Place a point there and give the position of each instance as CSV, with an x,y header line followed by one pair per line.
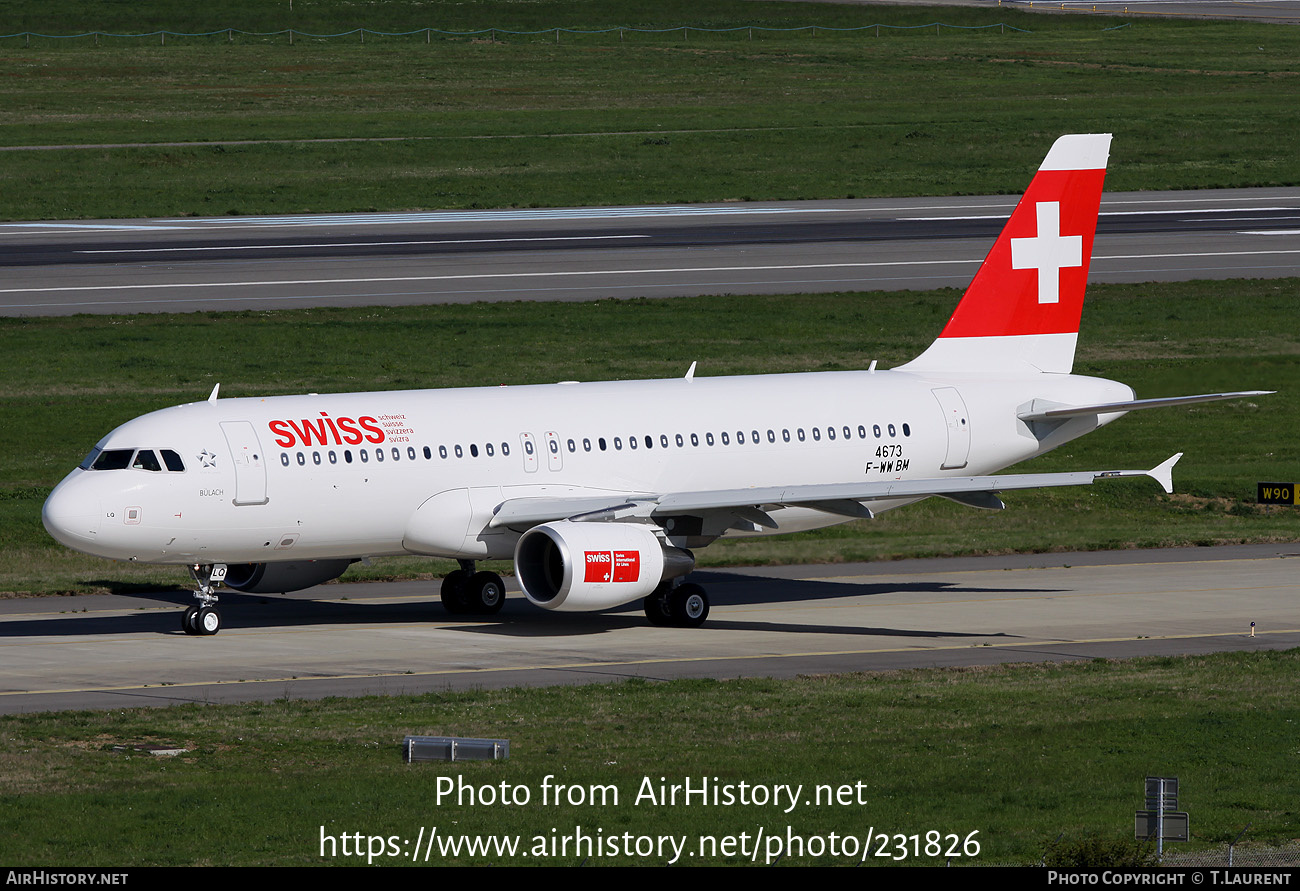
x,y
361,639
230,263
1281,12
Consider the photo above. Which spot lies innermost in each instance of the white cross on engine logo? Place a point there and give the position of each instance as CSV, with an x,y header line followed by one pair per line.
x,y
1049,251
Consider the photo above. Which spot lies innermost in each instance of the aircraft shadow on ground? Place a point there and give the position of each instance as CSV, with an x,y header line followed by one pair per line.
x,y
516,619
733,589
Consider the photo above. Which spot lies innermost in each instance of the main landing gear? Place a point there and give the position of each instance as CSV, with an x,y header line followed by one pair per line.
x,y
466,592
204,618
681,606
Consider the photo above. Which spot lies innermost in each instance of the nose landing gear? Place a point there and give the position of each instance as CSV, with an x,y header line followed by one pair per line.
x,y
204,619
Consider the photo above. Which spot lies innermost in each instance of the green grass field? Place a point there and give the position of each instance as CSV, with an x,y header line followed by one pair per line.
x,y
1018,755
609,120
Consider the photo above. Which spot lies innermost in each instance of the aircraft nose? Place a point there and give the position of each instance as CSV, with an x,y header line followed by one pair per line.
x,y
71,516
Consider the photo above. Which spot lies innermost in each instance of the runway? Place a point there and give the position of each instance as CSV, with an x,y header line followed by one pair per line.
x,y
126,651
243,263
1281,12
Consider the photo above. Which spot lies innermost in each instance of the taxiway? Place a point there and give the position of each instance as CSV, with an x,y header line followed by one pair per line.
x,y
360,639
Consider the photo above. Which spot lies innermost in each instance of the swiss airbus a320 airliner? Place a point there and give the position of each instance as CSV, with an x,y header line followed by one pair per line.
x,y
600,491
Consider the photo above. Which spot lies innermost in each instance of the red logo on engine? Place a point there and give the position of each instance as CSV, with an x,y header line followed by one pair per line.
x,y
612,566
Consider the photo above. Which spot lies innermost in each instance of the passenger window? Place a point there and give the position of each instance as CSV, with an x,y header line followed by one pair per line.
x,y
801,434
334,458
284,458
907,431
875,428
891,429
410,452
379,454
365,456
315,457
473,450
489,449
817,434
695,439
830,432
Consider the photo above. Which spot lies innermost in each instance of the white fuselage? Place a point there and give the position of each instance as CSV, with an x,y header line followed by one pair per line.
x,y
366,474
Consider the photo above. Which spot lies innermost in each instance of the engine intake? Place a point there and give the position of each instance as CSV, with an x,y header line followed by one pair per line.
x,y
575,567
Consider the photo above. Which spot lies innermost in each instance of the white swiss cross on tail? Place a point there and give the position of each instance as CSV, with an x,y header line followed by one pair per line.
x,y
1022,309
1049,252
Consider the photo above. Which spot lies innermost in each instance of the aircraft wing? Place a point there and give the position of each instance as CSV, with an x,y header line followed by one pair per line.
x,y
844,499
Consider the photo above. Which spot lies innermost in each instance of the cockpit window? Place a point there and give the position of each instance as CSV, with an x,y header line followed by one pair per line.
x,y
145,459
113,459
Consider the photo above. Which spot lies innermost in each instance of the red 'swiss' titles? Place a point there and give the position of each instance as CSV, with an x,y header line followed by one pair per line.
x,y
326,431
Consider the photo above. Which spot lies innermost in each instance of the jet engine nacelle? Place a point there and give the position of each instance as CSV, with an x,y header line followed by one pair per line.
x,y
279,578
576,567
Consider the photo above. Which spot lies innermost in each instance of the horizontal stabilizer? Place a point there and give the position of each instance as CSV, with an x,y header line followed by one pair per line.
x,y
1105,408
